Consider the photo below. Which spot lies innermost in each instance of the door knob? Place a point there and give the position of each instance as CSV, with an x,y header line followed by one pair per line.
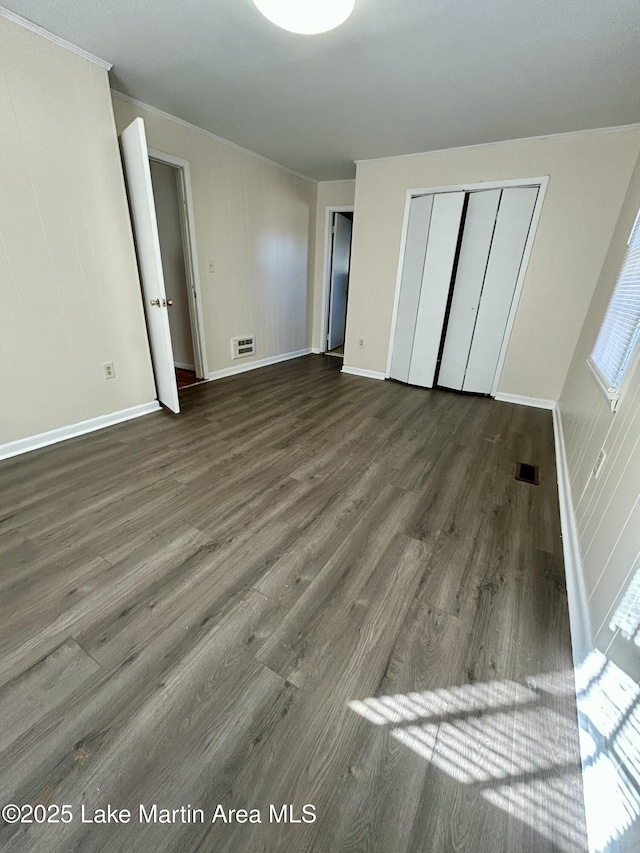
x,y
155,302
167,302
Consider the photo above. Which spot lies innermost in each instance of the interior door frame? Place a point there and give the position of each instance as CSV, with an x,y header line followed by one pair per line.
x,y
326,273
187,221
540,182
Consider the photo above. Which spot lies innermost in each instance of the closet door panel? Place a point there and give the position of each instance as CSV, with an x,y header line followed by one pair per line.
x,y
479,222
412,268
436,282
509,239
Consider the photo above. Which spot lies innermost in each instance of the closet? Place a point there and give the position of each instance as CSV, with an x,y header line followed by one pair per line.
x,y
462,258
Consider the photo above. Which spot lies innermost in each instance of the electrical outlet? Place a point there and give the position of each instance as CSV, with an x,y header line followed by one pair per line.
x,y
599,463
212,266
109,370
361,343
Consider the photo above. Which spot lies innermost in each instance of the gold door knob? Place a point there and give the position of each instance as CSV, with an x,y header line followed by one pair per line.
x,y
155,302
168,302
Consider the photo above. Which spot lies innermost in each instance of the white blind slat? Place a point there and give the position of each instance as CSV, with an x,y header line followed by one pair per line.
x,y
620,328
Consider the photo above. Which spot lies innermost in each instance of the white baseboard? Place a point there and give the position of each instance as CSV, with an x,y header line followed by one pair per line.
x,y
360,371
254,365
316,350
579,620
183,366
24,445
535,402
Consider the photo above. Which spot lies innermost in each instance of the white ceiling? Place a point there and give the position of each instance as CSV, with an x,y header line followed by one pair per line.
x,y
399,76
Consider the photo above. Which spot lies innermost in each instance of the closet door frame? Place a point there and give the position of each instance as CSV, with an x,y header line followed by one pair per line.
x,y
541,183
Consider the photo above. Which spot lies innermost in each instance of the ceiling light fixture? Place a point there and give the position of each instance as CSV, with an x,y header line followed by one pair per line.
x,y
306,16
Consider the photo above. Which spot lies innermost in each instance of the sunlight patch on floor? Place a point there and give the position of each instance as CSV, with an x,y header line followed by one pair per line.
x,y
515,742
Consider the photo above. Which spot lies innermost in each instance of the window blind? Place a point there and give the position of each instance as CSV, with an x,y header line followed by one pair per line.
x,y
627,615
621,326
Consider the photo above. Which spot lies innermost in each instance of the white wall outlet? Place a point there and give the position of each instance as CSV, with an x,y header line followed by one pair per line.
x,y
211,266
361,343
599,463
109,370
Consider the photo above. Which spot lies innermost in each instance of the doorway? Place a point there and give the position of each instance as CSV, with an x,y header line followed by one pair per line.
x,y
463,260
337,267
172,216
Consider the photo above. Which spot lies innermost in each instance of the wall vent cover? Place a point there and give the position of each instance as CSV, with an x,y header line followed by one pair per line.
x,y
527,473
241,347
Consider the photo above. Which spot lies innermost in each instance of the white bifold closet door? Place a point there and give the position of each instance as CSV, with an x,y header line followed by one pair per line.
x,y
495,233
480,220
432,239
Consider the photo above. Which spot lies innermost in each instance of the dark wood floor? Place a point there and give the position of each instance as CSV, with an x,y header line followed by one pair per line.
x,y
185,378
308,588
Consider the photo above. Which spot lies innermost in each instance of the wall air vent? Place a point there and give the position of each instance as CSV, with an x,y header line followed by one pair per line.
x,y
241,347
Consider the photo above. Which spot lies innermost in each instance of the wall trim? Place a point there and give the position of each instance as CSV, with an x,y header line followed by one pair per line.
x,y
519,400
184,366
360,371
579,619
196,129
564,135
254,365
54,436
316,350
40,31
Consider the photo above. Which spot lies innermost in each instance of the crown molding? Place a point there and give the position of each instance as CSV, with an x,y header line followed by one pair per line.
x,y
40,31
339,181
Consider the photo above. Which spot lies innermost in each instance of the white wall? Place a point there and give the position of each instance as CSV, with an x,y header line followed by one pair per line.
x,y
607,509
69,291
330,193
589,174
254,219
165,196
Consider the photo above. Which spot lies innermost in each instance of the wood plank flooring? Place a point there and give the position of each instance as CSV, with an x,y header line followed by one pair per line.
x,y
308,588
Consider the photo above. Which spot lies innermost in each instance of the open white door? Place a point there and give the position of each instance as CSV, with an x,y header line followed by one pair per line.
x,y
340,260
145,229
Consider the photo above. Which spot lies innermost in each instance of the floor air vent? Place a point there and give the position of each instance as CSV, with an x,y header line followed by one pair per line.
x,y
527,473
243,346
